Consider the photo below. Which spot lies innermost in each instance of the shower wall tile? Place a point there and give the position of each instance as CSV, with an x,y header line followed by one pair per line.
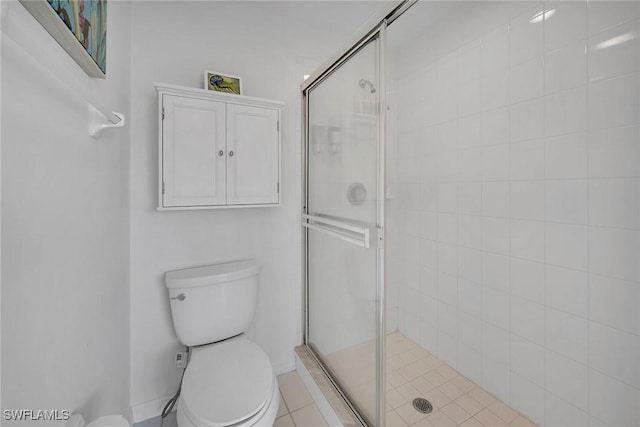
x,y
526,120
567,24
565,67
606,393
495,271
527,320
614,52
470,362
615,202
527,360
567,290
495,307
527,397
567,334
470,231
470,198
526,80
567,379
495,235
603,16
470,264
527,240
613,353
615,303
495,199
566,201
559,412
518,177
614,102
614,152
528,200
527,160
566,156
525,39
495,162
528,280
565,112
614,253
566,245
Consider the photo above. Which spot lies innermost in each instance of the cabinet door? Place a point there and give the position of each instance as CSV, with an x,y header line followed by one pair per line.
x,y
253,155
193,152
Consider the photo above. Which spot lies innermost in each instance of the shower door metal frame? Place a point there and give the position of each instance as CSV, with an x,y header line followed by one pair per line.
x,y
377,34
376,28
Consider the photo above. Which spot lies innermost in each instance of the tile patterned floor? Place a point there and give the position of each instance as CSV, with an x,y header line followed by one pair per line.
x,y
296,405
414,372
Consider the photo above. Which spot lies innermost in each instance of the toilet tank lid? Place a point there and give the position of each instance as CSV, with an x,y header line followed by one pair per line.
x,y
211,274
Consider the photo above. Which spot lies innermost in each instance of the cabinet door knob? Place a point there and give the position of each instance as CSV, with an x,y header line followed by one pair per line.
x,y
220,153
230,153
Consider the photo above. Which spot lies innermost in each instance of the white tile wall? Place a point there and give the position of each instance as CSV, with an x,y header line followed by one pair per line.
x,y
526,139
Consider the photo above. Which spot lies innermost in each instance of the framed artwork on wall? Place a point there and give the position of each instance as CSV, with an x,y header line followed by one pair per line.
x,y
79,26
222,82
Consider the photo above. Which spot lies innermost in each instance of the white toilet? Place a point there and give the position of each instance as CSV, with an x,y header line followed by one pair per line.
x,y
229,380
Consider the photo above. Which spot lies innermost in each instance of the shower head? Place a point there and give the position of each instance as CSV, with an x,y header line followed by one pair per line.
x,y
364,83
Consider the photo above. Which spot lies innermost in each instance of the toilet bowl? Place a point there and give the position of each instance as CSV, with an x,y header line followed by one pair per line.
x,y
229,380
230,383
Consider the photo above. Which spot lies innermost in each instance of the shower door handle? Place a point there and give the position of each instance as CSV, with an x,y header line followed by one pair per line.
x,y
358,233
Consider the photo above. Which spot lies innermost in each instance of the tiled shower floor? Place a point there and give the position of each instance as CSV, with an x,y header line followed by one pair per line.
x,y
414,372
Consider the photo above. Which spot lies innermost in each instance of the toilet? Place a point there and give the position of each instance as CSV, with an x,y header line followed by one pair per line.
x,y
229,380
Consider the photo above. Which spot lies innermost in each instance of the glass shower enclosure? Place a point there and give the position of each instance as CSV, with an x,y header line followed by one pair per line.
x,y
343,217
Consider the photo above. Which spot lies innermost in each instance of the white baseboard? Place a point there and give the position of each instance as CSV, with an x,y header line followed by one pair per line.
x,y
322,403
150,409
284,367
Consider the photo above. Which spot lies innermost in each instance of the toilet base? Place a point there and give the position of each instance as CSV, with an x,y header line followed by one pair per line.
x,y
264,418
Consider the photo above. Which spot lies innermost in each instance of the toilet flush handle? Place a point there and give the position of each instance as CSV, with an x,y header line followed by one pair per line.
x,y
180,297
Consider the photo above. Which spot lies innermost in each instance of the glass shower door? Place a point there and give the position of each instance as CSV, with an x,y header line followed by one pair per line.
x,y
342,218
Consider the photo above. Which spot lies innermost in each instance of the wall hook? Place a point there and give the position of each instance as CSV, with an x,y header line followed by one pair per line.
x,y
98,121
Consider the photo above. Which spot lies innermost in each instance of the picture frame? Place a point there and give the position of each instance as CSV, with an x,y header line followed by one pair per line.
x,y
222,82
80,27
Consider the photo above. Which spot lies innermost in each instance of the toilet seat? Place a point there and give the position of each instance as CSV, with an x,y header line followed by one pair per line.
x,y
226,383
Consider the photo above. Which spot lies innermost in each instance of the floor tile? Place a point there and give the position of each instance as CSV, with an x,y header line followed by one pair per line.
x,y
469,404
482,396
521,421
409,414
456,413
450,390
294,392
309,416
394,420
489,419
503,411
282,409
284,421
472,422
440,419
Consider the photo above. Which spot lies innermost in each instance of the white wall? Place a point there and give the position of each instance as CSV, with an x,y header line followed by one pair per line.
x,y
65,220
270,45
518,165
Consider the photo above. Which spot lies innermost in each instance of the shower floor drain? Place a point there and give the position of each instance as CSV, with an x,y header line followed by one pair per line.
x,y
422,405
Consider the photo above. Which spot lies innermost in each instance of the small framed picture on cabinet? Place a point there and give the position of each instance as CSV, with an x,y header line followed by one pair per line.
x,y
221,82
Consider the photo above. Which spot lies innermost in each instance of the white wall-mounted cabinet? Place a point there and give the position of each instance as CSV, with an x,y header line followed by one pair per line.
x,y
217,150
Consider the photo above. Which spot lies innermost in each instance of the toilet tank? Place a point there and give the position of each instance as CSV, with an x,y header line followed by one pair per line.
x,y
213,302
